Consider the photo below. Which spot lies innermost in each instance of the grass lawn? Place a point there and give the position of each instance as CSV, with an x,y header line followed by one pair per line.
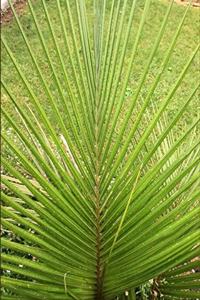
x,y
187,42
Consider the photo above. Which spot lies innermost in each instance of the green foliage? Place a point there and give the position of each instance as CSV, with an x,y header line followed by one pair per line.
x,y
106,195
181,282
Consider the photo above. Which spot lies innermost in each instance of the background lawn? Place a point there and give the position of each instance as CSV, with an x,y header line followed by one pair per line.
x,y
187,42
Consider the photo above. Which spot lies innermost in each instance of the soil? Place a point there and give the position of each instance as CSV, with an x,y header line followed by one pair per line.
x,y
7,15
195,3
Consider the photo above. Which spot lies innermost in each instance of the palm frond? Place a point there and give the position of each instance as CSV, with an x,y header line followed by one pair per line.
x,y
107,194
182,282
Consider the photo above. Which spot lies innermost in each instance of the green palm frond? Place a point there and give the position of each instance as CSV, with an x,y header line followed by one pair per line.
x,y
106,196
182,282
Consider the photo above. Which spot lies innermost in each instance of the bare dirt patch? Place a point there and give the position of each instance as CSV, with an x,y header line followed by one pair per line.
x,y
195,3
7,15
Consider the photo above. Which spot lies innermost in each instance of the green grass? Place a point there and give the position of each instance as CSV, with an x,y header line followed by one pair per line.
x,y
186,43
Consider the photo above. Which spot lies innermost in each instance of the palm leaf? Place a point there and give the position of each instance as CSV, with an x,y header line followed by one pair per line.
x,y
101,203
182,282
